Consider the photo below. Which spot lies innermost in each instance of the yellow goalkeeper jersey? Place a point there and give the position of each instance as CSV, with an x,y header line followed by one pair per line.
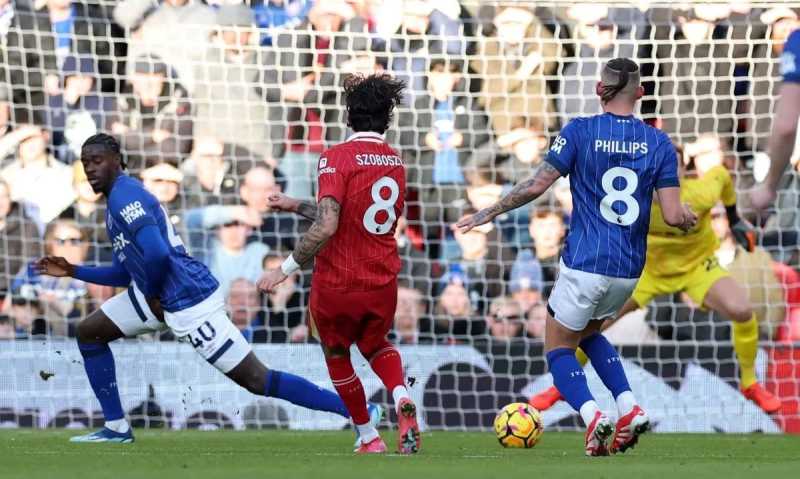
x,y
672,252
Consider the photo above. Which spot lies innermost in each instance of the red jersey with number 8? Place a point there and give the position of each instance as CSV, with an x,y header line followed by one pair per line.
x,y
368,179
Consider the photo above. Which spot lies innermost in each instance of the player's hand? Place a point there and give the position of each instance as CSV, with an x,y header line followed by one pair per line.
x,y
473,221
270,280
155,307
281,202
744,234
689,218
54,266
762,196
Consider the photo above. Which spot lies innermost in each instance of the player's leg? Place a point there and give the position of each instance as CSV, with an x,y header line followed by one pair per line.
x,y
544,400
120,316
336,317
570,309
221,344
607,364
257,378
385,361
728,298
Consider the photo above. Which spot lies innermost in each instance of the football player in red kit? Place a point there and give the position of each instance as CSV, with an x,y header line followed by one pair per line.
x,y
354,285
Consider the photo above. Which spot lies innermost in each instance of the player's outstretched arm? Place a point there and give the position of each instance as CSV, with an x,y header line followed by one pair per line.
x,y
781,144
281,202
323,228
675,213
59,267
522,193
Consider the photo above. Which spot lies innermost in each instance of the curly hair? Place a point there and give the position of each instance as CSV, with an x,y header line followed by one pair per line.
x,y
371,100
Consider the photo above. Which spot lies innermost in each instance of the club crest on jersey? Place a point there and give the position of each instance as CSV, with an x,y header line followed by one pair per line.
x,y
558,144
132,211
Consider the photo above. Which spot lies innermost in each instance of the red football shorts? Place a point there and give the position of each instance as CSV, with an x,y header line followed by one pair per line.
x,y
361,317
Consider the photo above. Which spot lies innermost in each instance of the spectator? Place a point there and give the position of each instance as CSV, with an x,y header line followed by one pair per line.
x,y
284,310
175,30
766,74
408,316
485,261
39,42
303,88
164,182
526,281
525,148
19,236
36,178
455,316
754,271
514,64
5,117
423,31
155,123
536,319
7,328
451,126
231,82
273,229
212,173
231,257
416,269
90,214
506,319
600,34
548,230
79,109
62,299
707,103
272,16
26,316
245,310
6,17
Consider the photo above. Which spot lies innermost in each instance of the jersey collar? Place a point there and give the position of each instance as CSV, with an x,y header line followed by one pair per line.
x,y
370,136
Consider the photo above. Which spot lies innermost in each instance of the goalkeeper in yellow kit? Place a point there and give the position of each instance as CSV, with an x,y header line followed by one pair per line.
x,y
685,262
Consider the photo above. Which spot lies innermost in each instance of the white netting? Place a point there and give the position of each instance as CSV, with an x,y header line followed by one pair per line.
x,y
242,111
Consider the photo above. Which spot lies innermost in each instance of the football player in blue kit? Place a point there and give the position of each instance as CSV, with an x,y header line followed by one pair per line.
x,y
166,289
615,162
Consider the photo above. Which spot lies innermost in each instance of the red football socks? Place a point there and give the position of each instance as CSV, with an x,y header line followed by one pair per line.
x,y
349,388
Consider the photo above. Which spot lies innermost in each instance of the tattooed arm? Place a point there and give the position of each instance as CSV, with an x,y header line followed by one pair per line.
x,y
281,202
324,227
522,193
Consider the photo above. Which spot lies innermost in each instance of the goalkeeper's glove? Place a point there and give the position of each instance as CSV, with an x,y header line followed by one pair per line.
x,y
744,234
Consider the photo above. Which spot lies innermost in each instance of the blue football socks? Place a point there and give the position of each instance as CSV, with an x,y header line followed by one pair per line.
x,y
98,360
606,362
302,392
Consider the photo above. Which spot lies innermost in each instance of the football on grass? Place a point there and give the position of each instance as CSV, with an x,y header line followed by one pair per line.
x,y
518,425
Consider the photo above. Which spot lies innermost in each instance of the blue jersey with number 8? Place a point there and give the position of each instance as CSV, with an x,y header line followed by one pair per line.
x,y
614,163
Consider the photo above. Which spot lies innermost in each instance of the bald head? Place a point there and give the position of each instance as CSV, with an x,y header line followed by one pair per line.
x,y
258,184
619,77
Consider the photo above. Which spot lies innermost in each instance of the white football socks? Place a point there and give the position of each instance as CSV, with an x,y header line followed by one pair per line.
x,y
118,425
588,411
625,403
399,393
366,432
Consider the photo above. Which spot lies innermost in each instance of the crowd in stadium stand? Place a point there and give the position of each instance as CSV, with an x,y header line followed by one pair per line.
x,y
217,104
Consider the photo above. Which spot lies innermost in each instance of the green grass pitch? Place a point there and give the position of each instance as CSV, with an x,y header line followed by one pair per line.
x,y
326,455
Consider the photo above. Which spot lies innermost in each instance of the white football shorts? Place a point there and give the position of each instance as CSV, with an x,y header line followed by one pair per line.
x,y
579,297
205,326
